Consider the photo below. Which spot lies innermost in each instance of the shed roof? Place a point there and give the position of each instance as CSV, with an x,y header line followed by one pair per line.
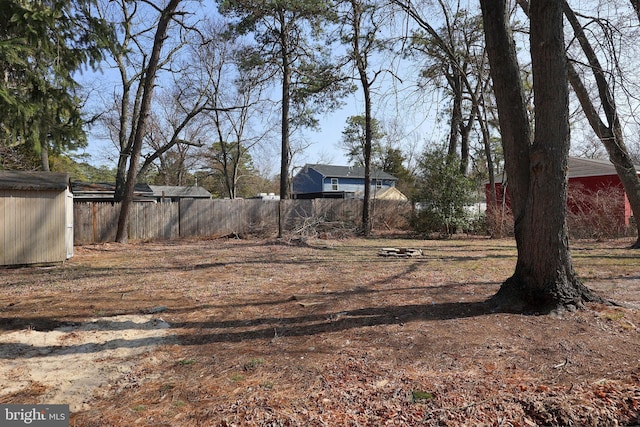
x,y
332,171
580,167
390,193
179,191
33,180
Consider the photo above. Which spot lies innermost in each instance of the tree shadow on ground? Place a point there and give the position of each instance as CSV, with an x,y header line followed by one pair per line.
x,y
234,331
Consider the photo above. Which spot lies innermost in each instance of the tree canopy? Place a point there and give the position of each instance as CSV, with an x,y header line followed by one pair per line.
x,y
291,46
42,45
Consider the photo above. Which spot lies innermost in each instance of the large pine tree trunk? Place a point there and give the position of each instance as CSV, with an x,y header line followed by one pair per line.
x,y
366,202
285,153
544,278
285,159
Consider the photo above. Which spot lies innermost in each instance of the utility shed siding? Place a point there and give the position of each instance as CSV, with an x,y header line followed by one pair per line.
x,y
36,225
33,229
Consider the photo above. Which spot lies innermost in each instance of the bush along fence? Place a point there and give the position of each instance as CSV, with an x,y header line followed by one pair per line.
x,y
96,222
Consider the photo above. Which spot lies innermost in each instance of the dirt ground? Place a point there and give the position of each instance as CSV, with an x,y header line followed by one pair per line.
x,y
317,333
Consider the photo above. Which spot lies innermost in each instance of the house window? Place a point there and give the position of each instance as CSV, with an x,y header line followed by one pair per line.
x,y
378,184
334,184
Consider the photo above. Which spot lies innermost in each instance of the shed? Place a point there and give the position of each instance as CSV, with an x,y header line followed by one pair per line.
x,y
175,193
104,192
590,176
36,218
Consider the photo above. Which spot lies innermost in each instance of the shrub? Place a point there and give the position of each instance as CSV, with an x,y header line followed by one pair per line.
x,y
442,194
596,214
499,221
591,214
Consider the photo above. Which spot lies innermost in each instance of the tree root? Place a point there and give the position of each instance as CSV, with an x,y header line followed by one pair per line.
x,y
515,296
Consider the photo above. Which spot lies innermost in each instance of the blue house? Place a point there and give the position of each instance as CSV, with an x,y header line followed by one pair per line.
x,y
339,182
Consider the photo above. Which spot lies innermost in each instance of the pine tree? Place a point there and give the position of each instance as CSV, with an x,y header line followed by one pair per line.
x,y
42,45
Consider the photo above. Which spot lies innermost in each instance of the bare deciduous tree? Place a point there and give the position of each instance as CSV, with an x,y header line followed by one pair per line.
x,y
149,75
455,53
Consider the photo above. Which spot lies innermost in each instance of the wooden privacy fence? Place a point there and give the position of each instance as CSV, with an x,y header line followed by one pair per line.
x,y
96,222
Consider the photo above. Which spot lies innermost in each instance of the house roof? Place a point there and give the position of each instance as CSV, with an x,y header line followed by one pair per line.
x,y
579,167
33,180
179,191
100,191
332,171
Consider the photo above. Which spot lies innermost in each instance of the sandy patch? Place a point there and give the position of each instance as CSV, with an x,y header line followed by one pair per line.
x,y
75,363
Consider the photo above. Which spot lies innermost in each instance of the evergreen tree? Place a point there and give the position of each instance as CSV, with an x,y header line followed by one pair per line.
x,y
442,193
42,45
291,50
354,139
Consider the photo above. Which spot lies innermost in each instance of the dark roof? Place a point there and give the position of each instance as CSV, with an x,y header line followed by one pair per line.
x,y
580,167
331,171
101,191
142,191
180,191
32,180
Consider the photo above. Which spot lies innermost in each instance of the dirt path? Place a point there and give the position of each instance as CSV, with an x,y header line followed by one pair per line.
x,y
72,363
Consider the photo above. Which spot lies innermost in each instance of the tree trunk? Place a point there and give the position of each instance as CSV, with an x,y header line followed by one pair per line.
x,y
121,177
486,142
366,202
285,155
465,131
122,234
636,7
44,156
455,83
544,278
285,161
510,100
127,118
361,64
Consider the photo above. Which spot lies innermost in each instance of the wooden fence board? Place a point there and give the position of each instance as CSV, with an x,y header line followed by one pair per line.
x,y
97,222
188,218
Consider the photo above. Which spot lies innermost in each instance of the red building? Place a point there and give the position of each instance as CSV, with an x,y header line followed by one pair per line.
x,y
593,185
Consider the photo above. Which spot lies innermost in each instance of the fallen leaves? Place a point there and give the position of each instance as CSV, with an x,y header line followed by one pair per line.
x,y
265,334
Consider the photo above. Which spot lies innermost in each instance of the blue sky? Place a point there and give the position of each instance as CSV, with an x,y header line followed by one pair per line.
x,y
393,101
417,120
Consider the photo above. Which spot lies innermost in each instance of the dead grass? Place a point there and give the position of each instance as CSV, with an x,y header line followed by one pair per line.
x,y
327,332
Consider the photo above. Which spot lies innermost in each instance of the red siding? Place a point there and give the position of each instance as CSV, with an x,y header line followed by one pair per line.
x,y
591,184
